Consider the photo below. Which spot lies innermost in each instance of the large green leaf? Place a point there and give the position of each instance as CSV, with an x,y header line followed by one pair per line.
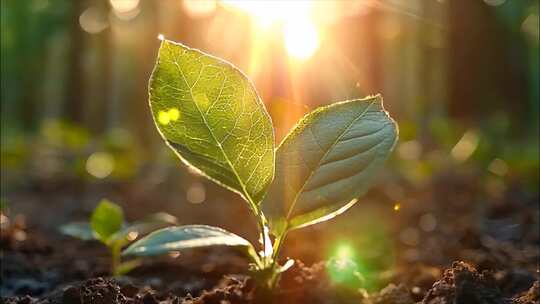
x,y
107,219
327,161
184,237
209,113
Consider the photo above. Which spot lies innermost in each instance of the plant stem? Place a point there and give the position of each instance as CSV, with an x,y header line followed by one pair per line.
x,y
263,233
115,259
275,255
277,246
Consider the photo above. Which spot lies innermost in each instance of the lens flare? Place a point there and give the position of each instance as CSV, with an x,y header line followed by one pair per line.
x,y
100,164
344,251
342,266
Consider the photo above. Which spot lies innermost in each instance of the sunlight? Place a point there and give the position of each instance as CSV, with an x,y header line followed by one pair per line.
x,y
300,33
301,38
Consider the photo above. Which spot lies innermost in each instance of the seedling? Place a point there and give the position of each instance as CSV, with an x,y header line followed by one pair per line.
x,y
107,226
210,115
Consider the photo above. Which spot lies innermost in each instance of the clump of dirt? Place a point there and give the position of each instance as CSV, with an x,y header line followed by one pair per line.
x,y
99,291
531,296
40,266
391,294
462,284
230,290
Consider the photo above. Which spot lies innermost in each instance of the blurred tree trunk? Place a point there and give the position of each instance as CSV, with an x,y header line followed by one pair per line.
x,y
139,113
74,80
374,51
488,65
99,115
432,97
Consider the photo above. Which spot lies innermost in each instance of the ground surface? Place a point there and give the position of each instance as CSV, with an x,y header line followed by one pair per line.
x,y
453,240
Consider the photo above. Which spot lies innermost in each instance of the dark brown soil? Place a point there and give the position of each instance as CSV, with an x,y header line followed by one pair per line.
x,y
461,284
484,249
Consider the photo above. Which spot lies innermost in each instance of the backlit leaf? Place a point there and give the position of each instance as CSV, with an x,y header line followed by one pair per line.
x,y
184,237
140,228
208,112
328,161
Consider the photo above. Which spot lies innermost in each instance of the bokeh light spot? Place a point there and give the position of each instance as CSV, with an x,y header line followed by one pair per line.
x,y
100,164
466,146
93,20
410,150
125,9
498,167
530,26
132,235
196,193
428,222
124,6
199,8
410,236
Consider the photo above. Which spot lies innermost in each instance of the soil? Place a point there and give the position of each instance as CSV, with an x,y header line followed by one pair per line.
x,y
483,247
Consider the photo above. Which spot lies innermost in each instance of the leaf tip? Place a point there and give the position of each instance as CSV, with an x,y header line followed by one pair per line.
x,y
374,97
161,37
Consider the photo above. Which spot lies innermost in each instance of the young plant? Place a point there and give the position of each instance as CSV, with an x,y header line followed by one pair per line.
x,y
107,226
210,115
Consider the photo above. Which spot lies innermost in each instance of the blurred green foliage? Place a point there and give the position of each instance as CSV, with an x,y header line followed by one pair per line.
x,y
459,66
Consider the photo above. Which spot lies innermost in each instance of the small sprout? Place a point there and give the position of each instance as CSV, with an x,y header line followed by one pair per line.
x,y
223,132
107,226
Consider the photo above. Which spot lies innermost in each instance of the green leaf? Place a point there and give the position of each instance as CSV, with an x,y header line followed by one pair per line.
x,y
80,230
161,217
209,113
107,219
143,227
327,161
183,237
